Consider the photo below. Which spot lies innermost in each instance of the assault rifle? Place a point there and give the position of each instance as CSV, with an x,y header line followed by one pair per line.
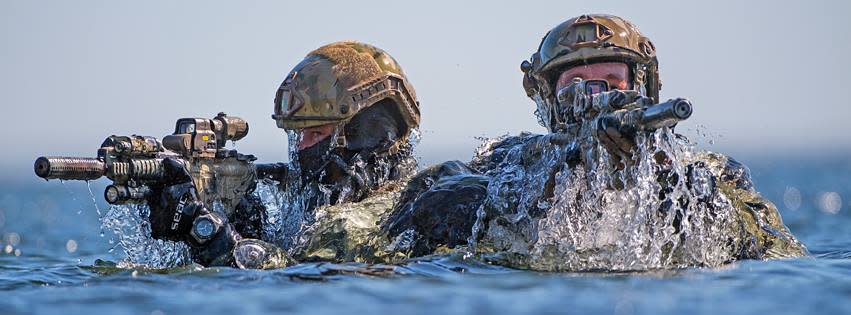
x,y
135,163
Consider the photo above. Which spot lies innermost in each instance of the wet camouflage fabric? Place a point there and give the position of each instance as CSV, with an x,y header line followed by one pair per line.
x,y
344,232
760,232
350,231
436,210
364,231
756,232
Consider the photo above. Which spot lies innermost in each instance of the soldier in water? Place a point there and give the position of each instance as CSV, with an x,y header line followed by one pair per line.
x,y
349,112
596,193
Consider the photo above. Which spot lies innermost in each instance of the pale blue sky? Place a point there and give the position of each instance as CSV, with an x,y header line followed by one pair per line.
x,y
767,77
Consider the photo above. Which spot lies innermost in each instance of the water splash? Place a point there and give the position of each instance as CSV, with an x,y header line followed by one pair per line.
x,y
294,208
414,137
286,213
94,200
72,195
666,215
130,224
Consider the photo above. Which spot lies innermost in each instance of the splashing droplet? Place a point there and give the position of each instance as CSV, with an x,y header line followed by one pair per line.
x,y
792,198
829,202
71,246
129,224
665,216
94,200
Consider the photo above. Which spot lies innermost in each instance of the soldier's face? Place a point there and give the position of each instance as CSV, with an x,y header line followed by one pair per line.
x,y
616,73
313,135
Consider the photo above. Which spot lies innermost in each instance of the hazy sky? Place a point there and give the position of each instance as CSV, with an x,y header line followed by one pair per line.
x,y
766,78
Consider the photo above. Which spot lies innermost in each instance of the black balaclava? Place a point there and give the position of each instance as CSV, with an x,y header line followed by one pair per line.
x,y
365,162
375,128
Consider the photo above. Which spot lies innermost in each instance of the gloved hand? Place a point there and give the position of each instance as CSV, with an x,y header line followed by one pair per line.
x,y
617,139
178,214
576,101
175,204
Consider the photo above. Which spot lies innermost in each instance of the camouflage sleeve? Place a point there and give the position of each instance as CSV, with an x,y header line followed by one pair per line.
x,y
761,232
350,231
492,152
437,209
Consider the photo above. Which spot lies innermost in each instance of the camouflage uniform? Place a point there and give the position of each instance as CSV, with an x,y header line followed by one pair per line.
x,y
350,231
341,202
335,191
753,228
511,188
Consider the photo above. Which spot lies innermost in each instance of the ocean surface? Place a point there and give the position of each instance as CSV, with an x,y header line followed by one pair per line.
x,y
54,259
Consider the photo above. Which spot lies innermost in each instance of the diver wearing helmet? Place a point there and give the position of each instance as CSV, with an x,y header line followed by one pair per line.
x,y
593,193
349,112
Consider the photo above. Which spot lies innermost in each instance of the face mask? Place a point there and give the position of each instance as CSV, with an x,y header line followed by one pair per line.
x,y
314,159
373,129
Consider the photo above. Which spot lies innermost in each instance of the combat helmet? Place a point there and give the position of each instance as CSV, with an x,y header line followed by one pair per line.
x,y
588,39
337,81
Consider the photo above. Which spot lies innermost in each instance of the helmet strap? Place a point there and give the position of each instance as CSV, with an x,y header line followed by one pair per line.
x,y
340,139
639,78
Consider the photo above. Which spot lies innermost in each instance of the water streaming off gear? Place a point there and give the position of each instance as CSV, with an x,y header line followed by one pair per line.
x,y
667,210
295,208
673,207
290,206
130,225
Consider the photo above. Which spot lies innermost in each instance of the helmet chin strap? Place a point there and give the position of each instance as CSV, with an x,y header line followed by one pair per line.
x,y
639,79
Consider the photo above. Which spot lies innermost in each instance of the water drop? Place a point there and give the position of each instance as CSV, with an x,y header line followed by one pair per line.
x,y
829,202
13,238
71,246
792,198
94,200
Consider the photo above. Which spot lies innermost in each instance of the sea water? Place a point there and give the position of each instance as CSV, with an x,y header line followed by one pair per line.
x,y
53,260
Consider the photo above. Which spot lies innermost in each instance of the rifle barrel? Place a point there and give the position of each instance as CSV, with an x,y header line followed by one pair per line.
x,y
665,114
69,168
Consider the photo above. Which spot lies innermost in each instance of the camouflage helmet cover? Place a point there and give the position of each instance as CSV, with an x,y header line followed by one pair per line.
x,y
336,81
587,39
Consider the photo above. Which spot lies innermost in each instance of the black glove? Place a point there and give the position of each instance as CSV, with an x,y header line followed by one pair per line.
x,y
175,204
178,214
617,139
